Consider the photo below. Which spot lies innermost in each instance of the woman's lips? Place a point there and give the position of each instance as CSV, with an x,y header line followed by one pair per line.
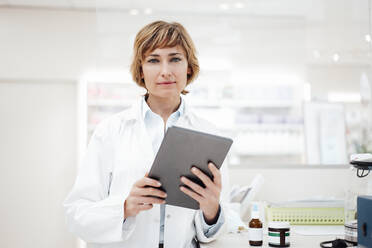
x,y
166,83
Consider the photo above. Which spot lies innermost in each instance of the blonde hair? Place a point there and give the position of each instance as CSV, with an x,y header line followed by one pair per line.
x,y
161,34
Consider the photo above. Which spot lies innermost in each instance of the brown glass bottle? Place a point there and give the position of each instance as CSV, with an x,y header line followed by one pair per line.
x,y
255,224
255,228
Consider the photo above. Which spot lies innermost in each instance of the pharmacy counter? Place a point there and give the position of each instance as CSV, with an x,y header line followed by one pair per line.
x,y
240,240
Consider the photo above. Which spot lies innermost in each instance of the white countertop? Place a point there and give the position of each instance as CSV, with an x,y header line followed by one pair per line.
x,y
241,240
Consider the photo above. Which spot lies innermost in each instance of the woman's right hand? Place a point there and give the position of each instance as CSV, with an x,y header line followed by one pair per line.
x,y
142,197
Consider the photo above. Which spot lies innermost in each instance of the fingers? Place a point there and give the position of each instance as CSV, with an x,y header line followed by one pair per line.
x,y
216,174
146,181
135,204
196,187
143,195
192,194
148,200
204,178
149,191
144,207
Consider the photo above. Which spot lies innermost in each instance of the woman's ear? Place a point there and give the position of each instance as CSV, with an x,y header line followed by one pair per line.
x,y
189,71
141,75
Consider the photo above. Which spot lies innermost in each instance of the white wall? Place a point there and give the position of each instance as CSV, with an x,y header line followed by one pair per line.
x,y
37,162
46,43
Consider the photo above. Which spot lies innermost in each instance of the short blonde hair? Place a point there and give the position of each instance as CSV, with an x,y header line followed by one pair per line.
x,y
161,34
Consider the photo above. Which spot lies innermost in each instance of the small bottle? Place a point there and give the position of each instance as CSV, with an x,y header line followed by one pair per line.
x,y
255,228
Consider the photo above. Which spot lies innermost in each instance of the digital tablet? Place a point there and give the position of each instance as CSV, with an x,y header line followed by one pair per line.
x,y
180,150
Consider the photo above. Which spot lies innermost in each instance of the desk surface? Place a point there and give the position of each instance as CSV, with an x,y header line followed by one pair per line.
x,y
240,240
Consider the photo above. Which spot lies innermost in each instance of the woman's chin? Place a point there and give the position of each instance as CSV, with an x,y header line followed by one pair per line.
x,y
167,93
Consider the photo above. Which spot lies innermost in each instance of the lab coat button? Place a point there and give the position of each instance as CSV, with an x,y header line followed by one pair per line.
x,y
168,216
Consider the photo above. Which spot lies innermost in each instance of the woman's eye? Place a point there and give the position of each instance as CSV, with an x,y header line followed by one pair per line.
x,y
175,59
153,61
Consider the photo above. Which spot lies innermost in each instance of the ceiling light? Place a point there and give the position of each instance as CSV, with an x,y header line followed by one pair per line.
x,y
134,12
147,11
224,6
239,5
368,37
336,57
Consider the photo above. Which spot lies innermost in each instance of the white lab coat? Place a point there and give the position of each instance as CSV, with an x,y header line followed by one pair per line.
x,y
119,153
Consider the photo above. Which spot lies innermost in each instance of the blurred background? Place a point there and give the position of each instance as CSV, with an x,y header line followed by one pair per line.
x,y
289,80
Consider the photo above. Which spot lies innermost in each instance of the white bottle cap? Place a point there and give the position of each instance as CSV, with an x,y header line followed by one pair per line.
x,y
279,224
255,214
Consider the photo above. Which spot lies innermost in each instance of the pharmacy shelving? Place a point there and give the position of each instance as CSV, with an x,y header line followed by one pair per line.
x,y
241,103
262,126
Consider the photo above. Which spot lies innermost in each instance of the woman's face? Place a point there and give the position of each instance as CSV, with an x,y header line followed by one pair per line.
x,y
164,71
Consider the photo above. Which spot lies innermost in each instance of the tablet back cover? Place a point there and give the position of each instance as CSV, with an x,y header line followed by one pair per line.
x,y
181,149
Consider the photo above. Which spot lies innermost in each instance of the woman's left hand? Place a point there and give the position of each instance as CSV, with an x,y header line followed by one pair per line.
x,y
208,197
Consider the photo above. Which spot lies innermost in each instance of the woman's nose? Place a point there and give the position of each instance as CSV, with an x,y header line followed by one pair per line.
x,y
165,69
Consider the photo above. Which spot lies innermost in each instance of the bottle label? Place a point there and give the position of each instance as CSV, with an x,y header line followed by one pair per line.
x,y
255,234
274,238
351,233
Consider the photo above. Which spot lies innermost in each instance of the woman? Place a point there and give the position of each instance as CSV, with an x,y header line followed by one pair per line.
x,y
111,203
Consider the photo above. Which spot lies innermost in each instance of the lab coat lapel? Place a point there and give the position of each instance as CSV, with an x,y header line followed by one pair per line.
x,y
146,153
187,120
145,145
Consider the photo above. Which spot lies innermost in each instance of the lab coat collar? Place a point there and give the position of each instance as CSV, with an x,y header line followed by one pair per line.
x,y
146,108
135,111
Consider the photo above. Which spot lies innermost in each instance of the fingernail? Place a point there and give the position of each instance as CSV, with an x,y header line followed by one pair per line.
x,y
159,184
193,169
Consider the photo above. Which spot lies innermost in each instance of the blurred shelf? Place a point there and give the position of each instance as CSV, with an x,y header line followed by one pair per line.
x,y
241,103
202,103
269,153
268,118
111,103
281,165
265,126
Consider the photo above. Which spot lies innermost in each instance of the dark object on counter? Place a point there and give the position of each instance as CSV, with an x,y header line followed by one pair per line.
x,y
364,205
363,165
337,243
